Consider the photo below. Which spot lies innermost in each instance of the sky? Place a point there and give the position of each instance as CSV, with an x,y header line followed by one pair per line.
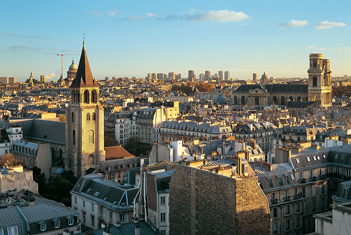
x,y
134,38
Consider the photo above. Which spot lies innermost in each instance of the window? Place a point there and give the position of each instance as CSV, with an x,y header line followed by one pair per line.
x,y
163,217
72,117
92,220
93,96
121,217
275,212
287,209
74,137
287,224
297,207
12,230
111,218
297,160
163,200
57,224
91,137
101,210
91,159
42,226
75,200
84,219
88,116
83,203
92,206
86,96
163,232
1,232
275,228
94,116
314,81
308,159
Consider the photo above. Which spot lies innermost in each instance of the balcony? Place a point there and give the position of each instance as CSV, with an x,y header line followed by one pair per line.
x,y
287,198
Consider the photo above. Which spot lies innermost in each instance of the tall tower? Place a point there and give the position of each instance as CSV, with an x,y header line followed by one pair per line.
x,y
84,122
319,80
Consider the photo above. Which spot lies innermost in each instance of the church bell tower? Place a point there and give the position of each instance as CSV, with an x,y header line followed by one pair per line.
x,y
319,80
84,122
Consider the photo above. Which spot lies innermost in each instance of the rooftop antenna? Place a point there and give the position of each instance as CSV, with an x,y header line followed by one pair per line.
x,y
83,38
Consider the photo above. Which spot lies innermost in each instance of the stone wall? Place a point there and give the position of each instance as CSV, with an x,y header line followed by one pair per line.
x,y
201,202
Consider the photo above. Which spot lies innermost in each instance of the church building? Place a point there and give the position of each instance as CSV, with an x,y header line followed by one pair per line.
x,y
318,89
84,122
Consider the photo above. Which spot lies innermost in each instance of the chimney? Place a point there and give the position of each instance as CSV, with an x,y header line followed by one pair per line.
x,y
239,166
137,229
267,166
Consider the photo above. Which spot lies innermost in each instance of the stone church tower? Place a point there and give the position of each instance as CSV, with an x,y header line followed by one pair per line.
x,y
319,80
84,122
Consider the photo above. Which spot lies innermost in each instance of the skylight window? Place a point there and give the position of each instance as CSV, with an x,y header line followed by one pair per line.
x,y
308,159
297,160
318,158
324,156
314,158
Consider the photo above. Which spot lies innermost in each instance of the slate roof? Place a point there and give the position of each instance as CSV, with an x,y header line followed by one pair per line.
x,y
40,129
10,216
84,77
45,211
117,162
275,88
107,193
126,229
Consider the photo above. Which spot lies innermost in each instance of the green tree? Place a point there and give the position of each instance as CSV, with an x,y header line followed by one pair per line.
x,y
40,179
59,189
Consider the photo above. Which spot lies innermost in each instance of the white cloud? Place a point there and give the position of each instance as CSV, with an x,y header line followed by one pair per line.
x,y
111,13
138,18
95,13
219,16
328,25
310,47
294,24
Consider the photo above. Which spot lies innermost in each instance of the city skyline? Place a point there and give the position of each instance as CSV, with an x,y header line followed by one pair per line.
x,y
137,38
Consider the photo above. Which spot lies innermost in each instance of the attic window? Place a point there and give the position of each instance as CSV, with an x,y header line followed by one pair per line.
x,y
324,156
308,159
88,190
314,158
297,160
318,158
96,194
42,225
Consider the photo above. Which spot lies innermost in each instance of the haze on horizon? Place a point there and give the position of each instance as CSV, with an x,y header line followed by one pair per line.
x,y
133,38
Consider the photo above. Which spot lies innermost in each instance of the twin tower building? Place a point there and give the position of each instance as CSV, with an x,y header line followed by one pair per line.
x,y
85,115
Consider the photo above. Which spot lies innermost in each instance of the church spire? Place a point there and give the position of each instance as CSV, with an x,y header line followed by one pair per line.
x,y
84,77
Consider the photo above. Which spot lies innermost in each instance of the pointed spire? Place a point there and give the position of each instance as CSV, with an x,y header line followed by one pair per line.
x,y
84,77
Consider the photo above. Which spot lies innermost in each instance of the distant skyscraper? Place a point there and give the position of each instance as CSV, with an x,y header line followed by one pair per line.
x,y
42,78
220,74
190,74
207,75
254,77
171,75
153,76
227,75
179,76
160,76
201,76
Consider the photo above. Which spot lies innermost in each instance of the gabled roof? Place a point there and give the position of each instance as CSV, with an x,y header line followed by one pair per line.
x,y
84,77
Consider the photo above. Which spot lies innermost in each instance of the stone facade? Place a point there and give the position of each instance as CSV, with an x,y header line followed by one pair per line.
x,y
202,202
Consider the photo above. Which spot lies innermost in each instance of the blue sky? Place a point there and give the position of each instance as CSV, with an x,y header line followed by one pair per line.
x,y
133,38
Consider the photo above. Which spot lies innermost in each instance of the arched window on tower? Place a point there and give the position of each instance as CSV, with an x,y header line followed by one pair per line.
x,y
91,159
72,117
74,137
86,96
94,116
314,81
91,137
88,116
93,96
77,96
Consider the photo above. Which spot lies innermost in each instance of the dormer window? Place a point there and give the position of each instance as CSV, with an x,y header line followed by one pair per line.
x,y
57,223
42,225
70,220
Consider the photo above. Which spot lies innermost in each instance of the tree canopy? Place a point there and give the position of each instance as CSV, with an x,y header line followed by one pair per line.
x,y
8,160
